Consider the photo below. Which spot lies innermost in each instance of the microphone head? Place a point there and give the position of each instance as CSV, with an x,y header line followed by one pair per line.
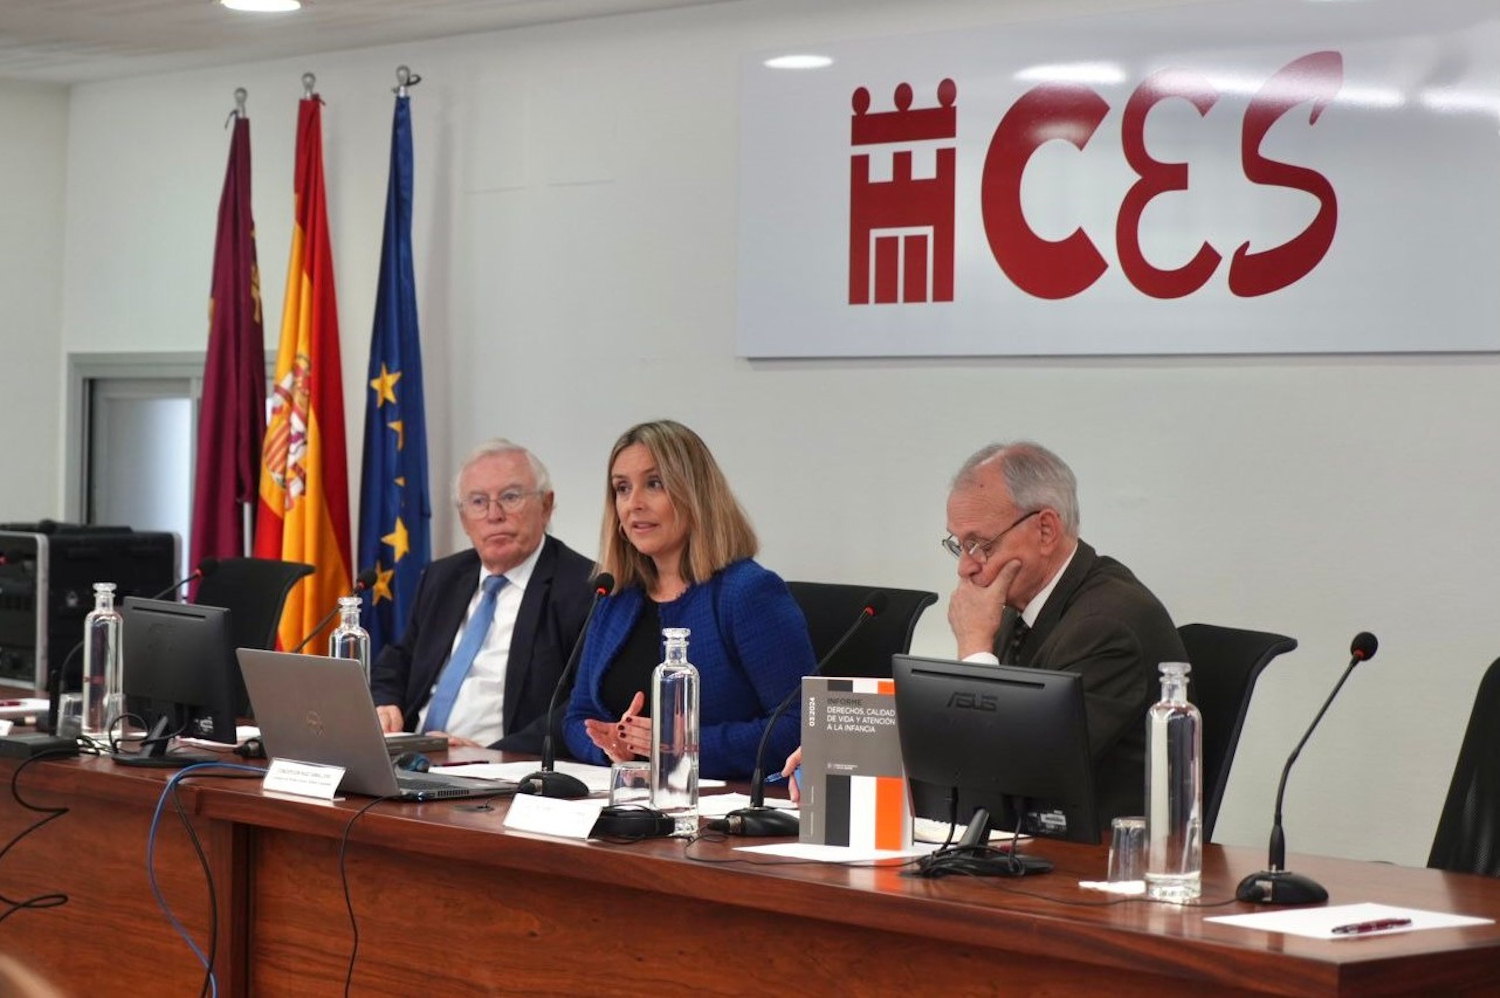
x,y
876,603
603,584
364,580
207,566
1362,648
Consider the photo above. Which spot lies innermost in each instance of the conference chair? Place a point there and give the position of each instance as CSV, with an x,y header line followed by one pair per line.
x,y
830,609
1226,662
254,590
1468,833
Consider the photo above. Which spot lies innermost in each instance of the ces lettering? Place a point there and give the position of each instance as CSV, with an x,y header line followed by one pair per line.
x,y
1072,113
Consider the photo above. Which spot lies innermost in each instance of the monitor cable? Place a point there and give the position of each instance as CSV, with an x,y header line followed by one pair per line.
x,y
973,856
169,792
344,882
49,814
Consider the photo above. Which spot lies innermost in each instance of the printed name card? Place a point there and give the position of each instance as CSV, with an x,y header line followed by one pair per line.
x,y
569,819
302,779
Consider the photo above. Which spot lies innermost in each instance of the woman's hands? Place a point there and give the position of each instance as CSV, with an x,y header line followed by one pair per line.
x,y
626,739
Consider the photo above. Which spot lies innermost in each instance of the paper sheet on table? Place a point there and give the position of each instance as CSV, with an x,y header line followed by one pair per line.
x,y
936,832
26,707
241,732
816,853
596,778
1318,923
718,805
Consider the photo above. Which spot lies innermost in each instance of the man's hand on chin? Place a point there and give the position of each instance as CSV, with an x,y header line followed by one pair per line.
x,y
975,610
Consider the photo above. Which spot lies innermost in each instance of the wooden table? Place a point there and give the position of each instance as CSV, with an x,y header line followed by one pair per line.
x,y
448,903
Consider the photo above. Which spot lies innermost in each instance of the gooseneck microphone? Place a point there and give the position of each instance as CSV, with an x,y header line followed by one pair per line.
x,y
207,566
363,581
758,819
547,782
1275,884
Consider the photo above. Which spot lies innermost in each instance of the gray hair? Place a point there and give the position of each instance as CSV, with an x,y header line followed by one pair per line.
x,y
1035,477
494,447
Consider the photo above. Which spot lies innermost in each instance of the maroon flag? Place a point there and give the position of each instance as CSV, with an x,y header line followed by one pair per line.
x,y
232,415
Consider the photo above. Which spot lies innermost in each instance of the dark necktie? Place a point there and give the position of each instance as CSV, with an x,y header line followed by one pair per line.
x,y
1018,634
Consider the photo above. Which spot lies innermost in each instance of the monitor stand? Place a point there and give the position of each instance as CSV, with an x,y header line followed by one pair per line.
x,y
153,751
972,856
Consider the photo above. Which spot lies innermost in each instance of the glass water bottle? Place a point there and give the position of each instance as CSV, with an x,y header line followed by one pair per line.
x,y
103,698
674,734
350,640
1174,791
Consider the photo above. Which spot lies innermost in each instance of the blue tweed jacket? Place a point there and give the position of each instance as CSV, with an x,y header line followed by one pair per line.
x,y
750,646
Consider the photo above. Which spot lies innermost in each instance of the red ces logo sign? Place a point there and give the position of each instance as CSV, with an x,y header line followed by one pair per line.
x,y
901,230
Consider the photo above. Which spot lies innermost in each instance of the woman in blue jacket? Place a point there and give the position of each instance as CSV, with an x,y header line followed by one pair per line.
x,y
680,548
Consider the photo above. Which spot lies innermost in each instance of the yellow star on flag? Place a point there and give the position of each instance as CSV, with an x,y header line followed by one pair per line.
x,y
400,429
385,386
383,579
398,540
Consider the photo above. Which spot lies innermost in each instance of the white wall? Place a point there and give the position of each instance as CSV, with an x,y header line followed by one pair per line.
x,y
32,157
576,244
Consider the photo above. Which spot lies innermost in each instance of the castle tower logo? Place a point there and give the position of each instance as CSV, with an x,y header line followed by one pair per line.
x,y
901,229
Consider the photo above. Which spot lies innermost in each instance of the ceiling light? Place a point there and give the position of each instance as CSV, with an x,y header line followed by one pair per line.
x,y
262,6
1074,72
798,62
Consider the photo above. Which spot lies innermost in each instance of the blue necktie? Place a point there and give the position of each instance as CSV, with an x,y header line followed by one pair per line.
x,y
458,666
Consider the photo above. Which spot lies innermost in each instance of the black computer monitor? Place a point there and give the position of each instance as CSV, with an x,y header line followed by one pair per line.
x,y
983,743
180,666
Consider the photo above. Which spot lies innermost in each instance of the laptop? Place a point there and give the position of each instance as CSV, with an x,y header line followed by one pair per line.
x,y
319,710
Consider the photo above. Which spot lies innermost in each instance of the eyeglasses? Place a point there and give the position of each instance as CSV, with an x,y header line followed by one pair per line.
x,y
477,506
980,550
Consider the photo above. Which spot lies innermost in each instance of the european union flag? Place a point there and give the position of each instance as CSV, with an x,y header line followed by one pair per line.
x,y
395,511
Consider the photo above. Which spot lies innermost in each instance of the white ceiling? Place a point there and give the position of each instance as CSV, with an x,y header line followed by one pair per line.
x,y
74,41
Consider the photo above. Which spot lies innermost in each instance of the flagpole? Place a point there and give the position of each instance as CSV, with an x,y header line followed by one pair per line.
x,y
303,513
405,78
231,409
395,510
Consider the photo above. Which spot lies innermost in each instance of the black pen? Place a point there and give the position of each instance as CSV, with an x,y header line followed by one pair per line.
x,y
1378,925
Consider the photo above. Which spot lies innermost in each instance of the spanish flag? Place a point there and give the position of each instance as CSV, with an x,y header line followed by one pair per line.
x,y
304,483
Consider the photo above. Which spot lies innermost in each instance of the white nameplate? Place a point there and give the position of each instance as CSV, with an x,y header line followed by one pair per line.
x,y
570,819
302,779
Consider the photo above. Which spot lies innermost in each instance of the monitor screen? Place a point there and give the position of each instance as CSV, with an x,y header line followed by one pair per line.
x,y
1000,739
179,664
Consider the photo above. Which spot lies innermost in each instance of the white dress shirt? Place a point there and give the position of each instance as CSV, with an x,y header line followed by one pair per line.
x,y
479,711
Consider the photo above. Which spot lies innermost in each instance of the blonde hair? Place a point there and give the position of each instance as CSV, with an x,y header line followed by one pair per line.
x,y
718,531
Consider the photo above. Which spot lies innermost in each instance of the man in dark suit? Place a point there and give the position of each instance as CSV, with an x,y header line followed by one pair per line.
x,y
491,628
1031,593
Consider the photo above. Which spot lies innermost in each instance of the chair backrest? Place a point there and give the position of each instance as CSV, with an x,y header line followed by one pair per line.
x,y
1468,833
254,590
1226,662
831,608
